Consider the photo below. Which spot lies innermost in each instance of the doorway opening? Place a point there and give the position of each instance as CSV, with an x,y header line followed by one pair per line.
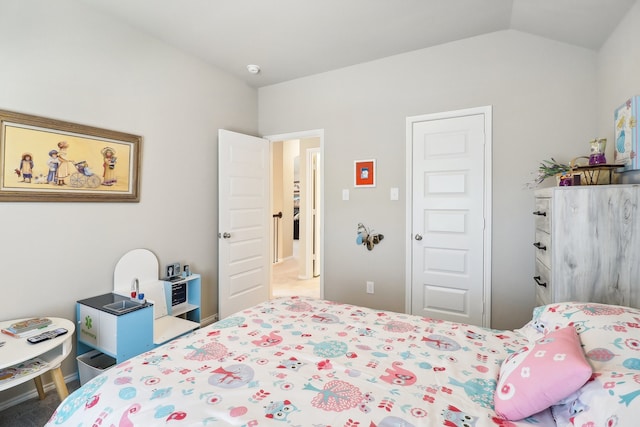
x,y
296,201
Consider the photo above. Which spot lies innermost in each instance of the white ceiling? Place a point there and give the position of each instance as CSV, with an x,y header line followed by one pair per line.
x,y
295,38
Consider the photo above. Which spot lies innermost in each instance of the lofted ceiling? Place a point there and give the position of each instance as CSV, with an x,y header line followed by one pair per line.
x,y
289,39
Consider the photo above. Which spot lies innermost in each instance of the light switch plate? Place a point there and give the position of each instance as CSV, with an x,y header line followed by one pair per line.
x,y
395,194
345,194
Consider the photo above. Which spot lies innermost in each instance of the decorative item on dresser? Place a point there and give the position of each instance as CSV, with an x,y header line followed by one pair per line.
x,y
587,243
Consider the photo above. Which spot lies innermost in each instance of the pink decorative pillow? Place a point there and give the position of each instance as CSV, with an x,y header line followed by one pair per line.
x,y
533,379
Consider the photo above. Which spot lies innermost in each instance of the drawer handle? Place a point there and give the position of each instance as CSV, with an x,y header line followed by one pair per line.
x,y
538,282
540,213
540,246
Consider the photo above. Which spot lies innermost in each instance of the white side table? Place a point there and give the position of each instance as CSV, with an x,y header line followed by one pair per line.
x,y
53,352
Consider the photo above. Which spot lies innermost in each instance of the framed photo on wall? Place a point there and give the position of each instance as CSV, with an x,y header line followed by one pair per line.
x,y
365,173
47,160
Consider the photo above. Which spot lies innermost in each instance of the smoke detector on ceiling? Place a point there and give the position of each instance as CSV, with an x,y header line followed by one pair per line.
x,y
253,69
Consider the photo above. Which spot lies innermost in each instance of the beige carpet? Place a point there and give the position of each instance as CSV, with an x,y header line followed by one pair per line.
x,y
285,281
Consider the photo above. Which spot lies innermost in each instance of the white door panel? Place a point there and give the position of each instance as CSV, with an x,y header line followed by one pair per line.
x,y
445,299
243,222
448,207
452,261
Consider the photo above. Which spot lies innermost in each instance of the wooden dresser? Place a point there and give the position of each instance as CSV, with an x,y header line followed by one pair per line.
x,y
587,244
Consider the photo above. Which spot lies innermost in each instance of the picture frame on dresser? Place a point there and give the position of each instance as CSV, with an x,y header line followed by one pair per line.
x,y
49,160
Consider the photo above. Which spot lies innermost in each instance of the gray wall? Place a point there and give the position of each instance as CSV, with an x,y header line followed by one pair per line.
x,y
70,63
618,73
543,95
66,62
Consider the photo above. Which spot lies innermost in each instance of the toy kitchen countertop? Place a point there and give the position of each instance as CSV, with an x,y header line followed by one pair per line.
x,y
113,303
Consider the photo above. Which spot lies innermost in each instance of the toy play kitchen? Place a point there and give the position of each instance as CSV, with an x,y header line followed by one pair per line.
x,y
141,313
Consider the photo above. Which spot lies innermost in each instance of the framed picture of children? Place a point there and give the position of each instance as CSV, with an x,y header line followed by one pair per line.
x,y
45,160
365,173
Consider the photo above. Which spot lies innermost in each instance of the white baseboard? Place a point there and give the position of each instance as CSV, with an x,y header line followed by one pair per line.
x,y
48,387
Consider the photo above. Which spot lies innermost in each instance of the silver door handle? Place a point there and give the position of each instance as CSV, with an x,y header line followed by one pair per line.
x,y
418,237
225,235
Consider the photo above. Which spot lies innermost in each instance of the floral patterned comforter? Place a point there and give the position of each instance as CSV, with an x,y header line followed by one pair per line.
x,y
305,362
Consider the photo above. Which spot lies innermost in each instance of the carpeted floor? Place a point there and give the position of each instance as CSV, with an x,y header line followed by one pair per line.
x,y
285,281
34,412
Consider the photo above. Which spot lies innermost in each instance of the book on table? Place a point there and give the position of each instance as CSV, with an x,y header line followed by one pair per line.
x,y
18,329
22,369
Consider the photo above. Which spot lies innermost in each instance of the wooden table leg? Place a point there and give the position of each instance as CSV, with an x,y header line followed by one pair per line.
x,y
38,381
61,386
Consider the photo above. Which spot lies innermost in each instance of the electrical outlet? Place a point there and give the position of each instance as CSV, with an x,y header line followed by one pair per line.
x,y
369,287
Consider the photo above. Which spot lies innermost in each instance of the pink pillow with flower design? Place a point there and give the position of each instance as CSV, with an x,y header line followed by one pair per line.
x,y
534,378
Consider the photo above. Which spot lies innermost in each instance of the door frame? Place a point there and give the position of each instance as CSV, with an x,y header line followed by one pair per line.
x,y
488,135
309,216
316,133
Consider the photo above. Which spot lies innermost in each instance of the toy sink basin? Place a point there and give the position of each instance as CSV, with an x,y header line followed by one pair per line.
x,y
121,307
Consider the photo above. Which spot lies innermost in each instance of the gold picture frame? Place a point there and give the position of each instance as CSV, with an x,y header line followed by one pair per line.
x,y
47,160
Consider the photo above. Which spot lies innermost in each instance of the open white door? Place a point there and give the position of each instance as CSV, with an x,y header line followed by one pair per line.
x,y
243,221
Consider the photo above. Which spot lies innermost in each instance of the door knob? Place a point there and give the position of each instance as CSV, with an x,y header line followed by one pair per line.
x,y
418,237
225,235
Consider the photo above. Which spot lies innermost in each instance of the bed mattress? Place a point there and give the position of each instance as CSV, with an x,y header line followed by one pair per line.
x,y
307,362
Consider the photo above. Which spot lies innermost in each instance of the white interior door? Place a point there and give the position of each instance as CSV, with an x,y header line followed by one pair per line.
x,y
243,221
450,189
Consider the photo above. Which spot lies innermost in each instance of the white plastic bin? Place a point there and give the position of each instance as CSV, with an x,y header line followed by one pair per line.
x,y
92,364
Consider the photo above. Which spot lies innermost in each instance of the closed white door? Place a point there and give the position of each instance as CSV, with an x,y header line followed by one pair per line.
x,y
243,221
450,189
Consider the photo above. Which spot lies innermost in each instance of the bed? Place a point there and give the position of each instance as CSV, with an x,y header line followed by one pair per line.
x,y
307,362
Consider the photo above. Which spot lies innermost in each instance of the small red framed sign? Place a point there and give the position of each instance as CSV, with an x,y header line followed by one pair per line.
x,y
365,173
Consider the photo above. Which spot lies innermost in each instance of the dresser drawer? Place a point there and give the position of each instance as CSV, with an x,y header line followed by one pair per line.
x,y
543,283
542,214
542,244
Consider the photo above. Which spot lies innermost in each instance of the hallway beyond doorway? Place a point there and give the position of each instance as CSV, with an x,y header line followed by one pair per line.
x,y
285,281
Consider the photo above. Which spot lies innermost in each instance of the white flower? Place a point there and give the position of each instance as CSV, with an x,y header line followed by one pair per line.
x,y
559,357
